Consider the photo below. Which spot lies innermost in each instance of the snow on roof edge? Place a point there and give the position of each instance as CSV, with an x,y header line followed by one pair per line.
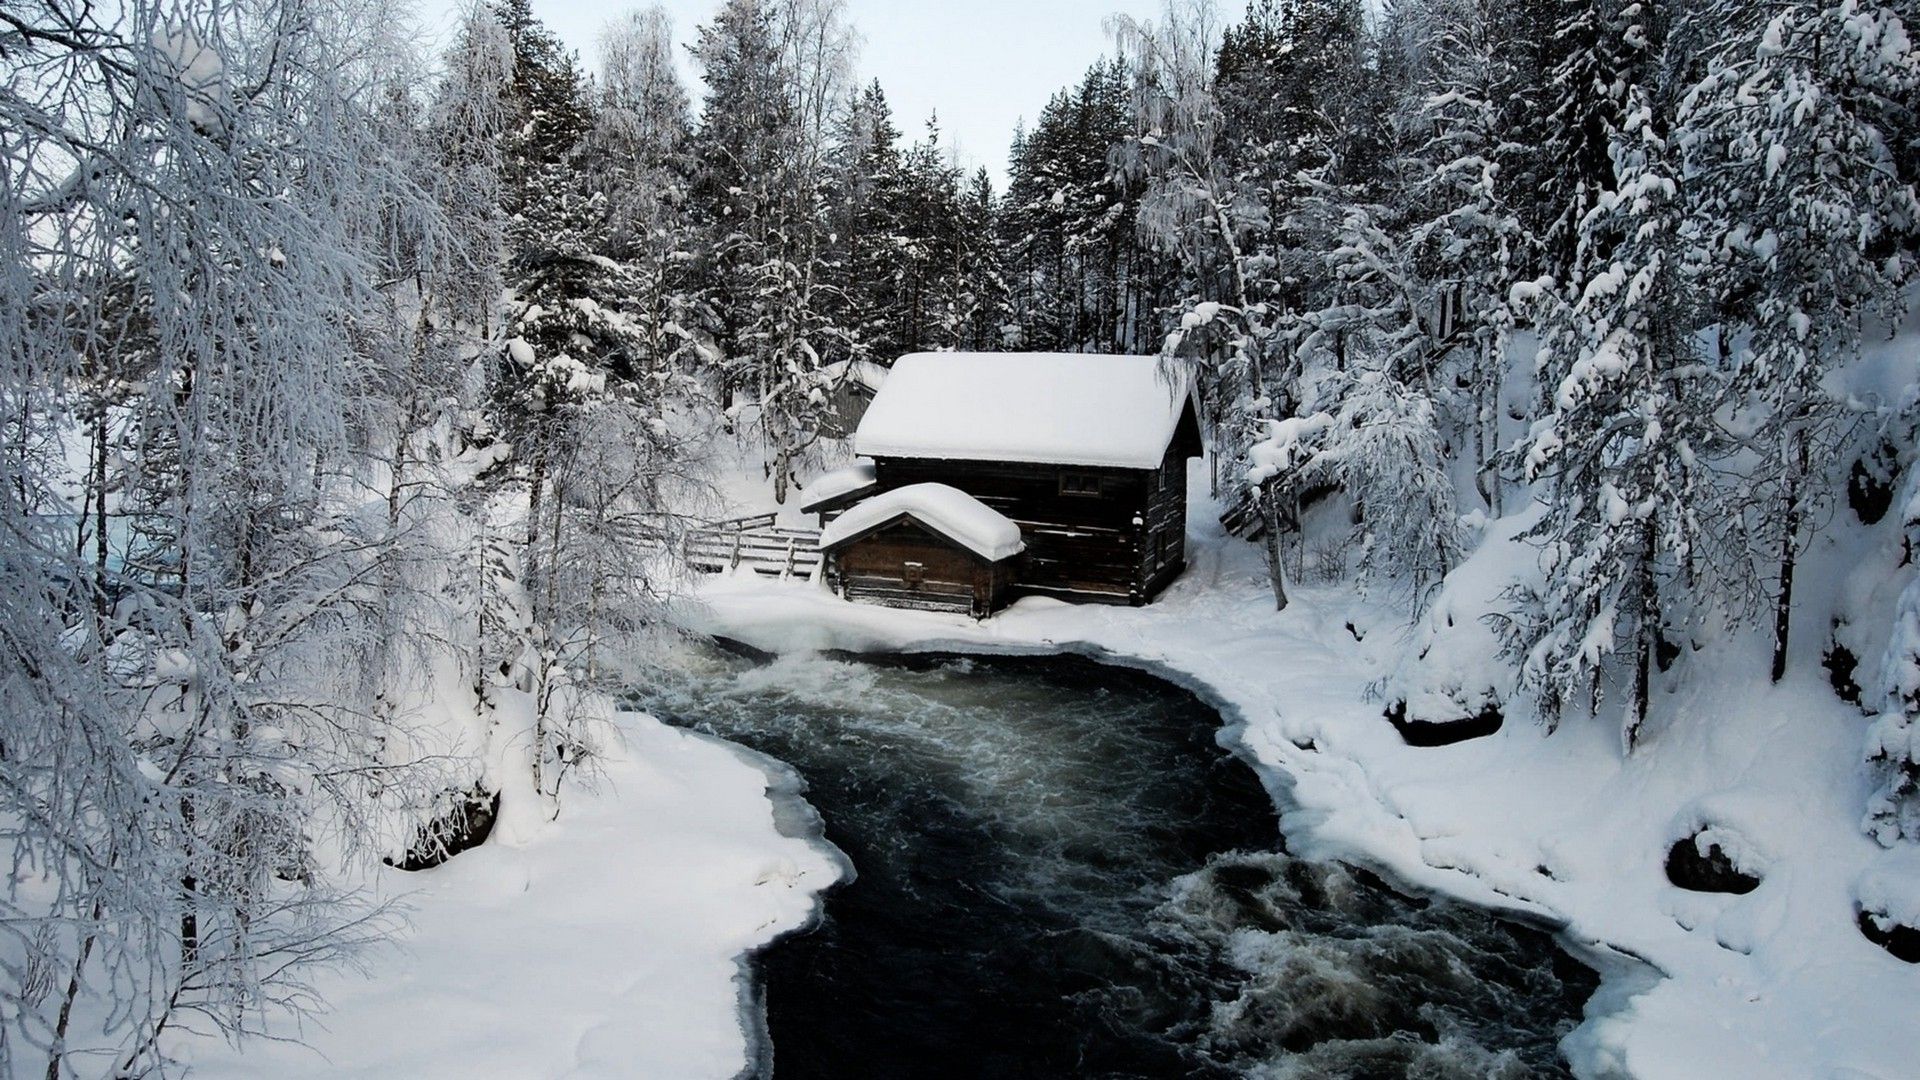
x,y
838,484
948,511
1084,409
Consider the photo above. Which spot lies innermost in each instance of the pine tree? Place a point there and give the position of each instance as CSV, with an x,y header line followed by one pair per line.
x,y
758,205
1624,540
1802,204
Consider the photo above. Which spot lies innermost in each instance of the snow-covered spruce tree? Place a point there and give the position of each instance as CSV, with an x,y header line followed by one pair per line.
x,y
1082,280
1465,236
1893,740
1578,62
864,185
638,157
772,74
175,757
1809,220
985,299
1623,540
931,246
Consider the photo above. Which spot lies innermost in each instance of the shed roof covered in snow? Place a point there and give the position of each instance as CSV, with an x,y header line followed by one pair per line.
x,y
1052,408
948,511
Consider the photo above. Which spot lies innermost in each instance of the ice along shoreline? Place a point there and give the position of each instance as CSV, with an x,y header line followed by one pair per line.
x,y
1619,977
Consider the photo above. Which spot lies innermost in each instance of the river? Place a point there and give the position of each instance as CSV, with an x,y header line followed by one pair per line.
x,y
1061,872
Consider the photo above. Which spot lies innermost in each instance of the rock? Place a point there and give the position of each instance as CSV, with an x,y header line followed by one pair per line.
x,y
1841,665
1902,941
1871,483
464,827
1713,871
1421,732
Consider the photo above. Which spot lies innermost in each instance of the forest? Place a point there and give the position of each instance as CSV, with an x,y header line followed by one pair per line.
x,y
354,395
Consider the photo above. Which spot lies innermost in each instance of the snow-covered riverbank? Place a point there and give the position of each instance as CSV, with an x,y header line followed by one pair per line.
x,y
1775,983
609,943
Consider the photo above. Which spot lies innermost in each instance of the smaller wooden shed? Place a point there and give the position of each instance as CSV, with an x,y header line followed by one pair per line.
x,y
850,386
926,546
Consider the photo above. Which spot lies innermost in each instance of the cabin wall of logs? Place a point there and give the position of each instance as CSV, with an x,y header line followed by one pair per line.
x,y
1104,535
905,565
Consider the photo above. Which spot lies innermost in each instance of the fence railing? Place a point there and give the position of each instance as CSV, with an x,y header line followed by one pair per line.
x,y
754,542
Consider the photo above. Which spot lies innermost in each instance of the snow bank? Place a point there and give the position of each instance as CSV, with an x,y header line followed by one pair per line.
x,y
1061,408
605,944
948,511
1558,828
838,484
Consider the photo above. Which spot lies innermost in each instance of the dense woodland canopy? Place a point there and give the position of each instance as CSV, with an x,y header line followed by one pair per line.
x,y
330,368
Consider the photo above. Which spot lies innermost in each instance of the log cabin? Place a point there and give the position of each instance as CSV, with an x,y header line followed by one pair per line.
x,y
926,546
1085,454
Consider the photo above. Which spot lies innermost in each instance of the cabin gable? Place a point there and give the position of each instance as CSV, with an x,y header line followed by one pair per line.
x,y
903,563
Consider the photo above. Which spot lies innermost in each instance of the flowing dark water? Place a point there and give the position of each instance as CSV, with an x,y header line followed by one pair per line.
x,y
1062,874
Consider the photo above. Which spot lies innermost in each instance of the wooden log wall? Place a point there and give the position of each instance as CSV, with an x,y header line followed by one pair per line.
x,y
904,565
1091,533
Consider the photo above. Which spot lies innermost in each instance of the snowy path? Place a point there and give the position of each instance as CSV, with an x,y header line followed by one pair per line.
x,y
601,945
1775,983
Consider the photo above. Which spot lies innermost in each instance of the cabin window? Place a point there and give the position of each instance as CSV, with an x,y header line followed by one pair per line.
x,y
1080,484
913,574
1168,546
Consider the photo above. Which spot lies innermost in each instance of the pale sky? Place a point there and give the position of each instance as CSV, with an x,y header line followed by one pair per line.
x,y
983,64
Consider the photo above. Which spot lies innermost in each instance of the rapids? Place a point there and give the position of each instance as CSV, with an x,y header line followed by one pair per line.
x,y
1061,872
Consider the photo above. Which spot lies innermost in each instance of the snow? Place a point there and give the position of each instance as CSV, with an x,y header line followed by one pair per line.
x,y
199,69
1562,828
1058,408
863,372
1287,446
839,483
948,511
604,944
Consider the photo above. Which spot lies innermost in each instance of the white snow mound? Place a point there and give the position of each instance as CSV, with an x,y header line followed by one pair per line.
x,y
839,483
948,511
1057,408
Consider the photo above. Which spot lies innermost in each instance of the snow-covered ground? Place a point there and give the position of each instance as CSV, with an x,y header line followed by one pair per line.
x,y
607,943
1563,827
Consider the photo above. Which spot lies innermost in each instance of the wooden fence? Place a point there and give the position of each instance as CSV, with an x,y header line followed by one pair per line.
x,y
754,542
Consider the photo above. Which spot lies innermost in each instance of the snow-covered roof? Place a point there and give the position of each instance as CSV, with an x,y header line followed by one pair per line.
x,y
1055,408
948,511
838,484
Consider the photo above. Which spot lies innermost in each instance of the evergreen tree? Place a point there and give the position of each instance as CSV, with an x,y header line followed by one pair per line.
x,y
758,204
1624,538
1808,219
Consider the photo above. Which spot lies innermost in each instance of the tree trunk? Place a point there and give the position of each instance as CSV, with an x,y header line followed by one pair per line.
x,y
1276,567
189,886
97,497
537,482
1789,535
1644,635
